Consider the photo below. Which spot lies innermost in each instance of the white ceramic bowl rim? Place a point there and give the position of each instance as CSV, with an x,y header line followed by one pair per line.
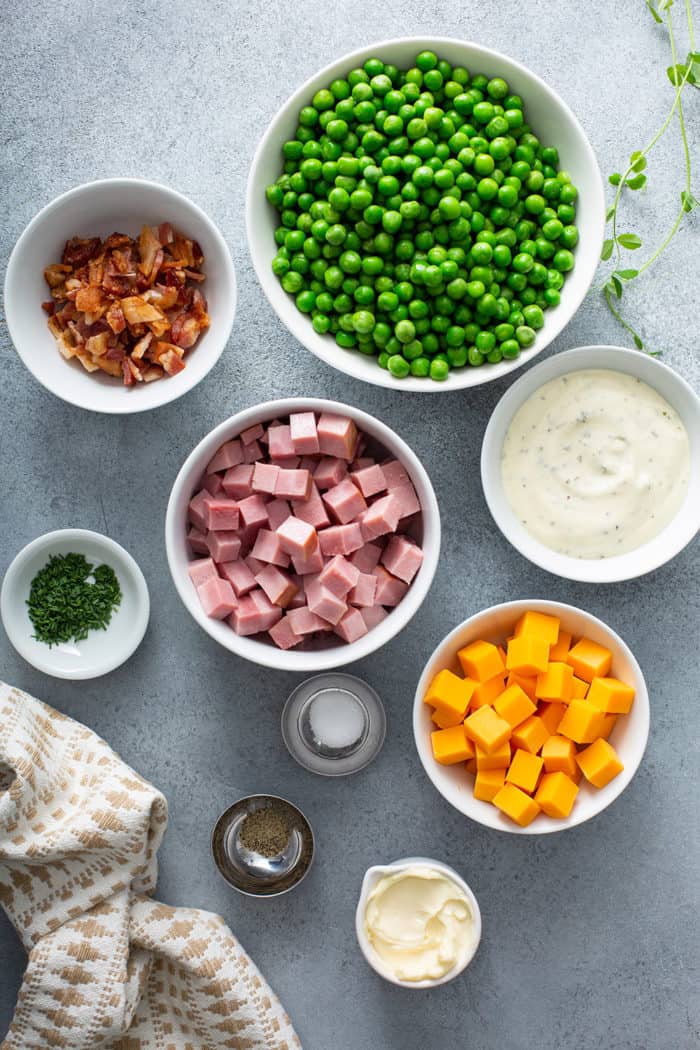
x,y
163,391
587,254
671,540
268,654
371,877
121,561
486,814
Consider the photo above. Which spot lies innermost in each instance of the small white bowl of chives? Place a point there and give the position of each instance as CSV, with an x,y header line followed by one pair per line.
x,y
105,647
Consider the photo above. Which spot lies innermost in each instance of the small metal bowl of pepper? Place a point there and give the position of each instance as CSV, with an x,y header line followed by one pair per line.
x,y
263,845
74,604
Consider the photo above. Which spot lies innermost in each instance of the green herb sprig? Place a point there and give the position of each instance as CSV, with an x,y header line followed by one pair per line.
x,y
682,75
70,597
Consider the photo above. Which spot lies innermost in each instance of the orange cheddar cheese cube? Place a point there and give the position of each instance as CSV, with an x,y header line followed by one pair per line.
x,y
559,755
556,795
558,651
487,729
471,767
450,695
599,763
530,735
527,655
514,705
589,659
551,715
555,683
444,719
579,688
451,745
608,725
481,661
538,625
526,683
582,722
498,759
488,783
516,804
611,696
486,692
524,771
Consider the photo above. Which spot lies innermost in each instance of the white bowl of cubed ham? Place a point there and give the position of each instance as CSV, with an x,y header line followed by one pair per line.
x,y
302,534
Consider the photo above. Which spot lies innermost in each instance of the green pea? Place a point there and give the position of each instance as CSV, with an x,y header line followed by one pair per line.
x,y
475,357
510,349
569,236
534,316
398,366
563,260
420,367
439,370
487,189
525,334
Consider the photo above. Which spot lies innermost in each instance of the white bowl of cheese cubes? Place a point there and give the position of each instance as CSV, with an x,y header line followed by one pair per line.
x,y
531,717
302,534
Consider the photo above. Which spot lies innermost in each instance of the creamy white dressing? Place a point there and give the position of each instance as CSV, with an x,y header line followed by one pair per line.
x,y
595,463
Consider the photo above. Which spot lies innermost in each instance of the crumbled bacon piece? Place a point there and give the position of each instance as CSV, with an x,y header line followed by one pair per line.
x,y
130,308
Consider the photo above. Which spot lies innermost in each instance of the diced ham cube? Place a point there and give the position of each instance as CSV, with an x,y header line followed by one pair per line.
x,y
324,603
402,557
337,436
222,514
361,463
252,433
238,480
253,512
303,621
341,539
339,576
254,564
302,426
213,484
224,546
229,455
367,557
390,590
278,510
311,510
269,613
395,473
268,548
282,634
197,510
308,463
364,591
280,443
202,569
299,598
351,626
293,484
406,495
381,517
239,576
276,585
329,472
252,452
264,477
308,566
248,617
286,462
298,538
217,597
345,502
369,480
198,541
372,615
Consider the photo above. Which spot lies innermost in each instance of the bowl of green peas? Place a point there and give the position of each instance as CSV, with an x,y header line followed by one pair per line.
x,y
425,214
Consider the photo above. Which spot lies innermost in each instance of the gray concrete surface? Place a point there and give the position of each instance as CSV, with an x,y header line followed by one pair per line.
x,y
590,937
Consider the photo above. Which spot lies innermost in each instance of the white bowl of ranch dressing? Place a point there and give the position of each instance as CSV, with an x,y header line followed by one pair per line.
x,y
590,464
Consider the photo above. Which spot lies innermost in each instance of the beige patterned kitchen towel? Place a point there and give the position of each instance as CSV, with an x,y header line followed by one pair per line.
x,y
108,967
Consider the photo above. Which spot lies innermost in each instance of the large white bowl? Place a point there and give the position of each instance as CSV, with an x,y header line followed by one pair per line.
x,y
629,737
98,209
549,116
677,534
266,653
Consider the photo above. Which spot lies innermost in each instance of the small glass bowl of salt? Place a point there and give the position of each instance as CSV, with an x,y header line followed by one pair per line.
x,y
333,724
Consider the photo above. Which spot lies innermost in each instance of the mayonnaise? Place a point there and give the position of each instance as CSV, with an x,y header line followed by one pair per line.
x,y
419,922
595,463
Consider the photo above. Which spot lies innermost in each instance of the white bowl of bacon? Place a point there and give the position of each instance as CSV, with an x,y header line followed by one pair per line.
x,y
302,534
120,324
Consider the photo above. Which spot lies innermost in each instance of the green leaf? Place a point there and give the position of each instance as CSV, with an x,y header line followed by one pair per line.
x,y
689,202
627,275
609,213
638,342
676,74
615,178
630,241
638,161
654,13
607,250
617,286
636,182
